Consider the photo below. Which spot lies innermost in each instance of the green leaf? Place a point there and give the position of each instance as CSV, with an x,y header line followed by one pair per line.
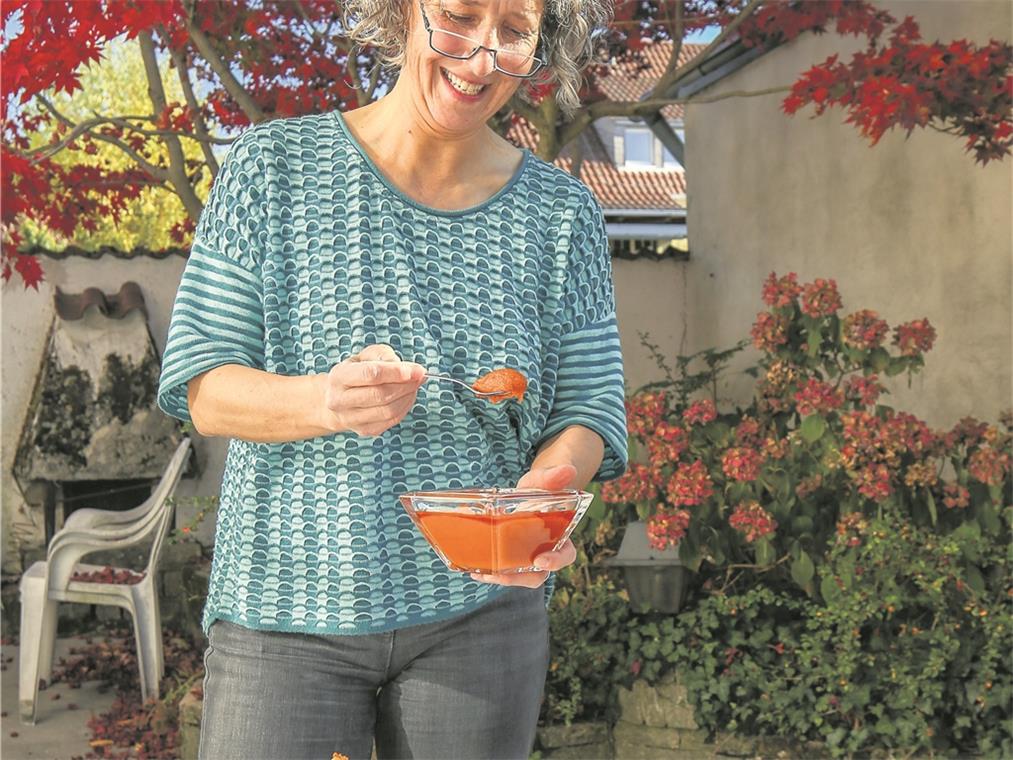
x,y
689,552
975,580
802,524
896,366
989,519
765,554
738,492
933,513
814,342
802,570
828,589
879,359
597,510
813,427
717,431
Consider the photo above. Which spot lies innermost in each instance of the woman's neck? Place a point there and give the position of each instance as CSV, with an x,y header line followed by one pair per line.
x,y
428,164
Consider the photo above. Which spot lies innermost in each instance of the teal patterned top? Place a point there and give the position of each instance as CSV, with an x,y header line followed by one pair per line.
x,y
304,255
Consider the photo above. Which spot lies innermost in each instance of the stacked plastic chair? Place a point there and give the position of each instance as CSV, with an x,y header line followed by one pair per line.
x,y
49,582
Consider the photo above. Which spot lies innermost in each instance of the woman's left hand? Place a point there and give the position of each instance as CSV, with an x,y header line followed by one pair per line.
x,y
549,478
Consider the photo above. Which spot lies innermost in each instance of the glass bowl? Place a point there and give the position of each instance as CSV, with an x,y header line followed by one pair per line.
x,y
495,530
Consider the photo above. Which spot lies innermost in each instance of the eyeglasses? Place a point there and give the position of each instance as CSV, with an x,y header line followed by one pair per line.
x,y
513,62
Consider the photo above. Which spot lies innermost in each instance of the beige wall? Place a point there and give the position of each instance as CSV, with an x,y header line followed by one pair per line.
x,y
912,228
651,298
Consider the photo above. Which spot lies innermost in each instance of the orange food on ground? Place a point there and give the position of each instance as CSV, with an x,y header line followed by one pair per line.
x,y
495,542
339,756
508,383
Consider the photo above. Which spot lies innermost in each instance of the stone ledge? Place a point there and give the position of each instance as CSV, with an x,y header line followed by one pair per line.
x,y
602,751
663,706
576,734
190,707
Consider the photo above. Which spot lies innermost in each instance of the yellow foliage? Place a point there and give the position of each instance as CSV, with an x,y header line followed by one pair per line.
x,y
117,86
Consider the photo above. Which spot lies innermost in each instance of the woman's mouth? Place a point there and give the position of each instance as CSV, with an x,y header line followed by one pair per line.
x,y
462,88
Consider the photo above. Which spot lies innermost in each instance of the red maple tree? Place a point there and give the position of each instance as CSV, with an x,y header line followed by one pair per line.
x,y
290,57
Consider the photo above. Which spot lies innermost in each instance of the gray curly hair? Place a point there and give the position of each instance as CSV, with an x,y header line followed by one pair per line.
x,y
569,34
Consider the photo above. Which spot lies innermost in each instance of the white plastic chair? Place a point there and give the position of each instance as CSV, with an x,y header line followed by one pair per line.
x,y
48,582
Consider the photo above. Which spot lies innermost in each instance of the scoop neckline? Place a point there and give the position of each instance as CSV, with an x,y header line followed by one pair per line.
x,y
525,157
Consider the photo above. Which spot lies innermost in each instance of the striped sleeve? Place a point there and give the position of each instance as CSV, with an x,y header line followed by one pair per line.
x,y
589,381
218,316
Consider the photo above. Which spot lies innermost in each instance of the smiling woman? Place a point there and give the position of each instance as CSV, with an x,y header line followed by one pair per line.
x,y
564,32
341,259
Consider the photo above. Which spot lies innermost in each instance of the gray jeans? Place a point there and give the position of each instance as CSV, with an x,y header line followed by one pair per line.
x,y
469,687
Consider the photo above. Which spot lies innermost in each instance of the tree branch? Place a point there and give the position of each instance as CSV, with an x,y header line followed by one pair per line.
x,y
362,96
177,160
644,108
677,35
51,148
152,169
183,72
231,84
601,108
670,78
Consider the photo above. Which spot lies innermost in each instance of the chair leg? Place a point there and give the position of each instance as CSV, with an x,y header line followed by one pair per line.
x,y
148,636
37,640
47,640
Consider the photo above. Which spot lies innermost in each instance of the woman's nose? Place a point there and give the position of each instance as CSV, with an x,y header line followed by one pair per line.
x,y
481,64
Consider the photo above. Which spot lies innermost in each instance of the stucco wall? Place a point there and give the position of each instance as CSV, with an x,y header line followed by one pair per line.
x,y
26,317
912,228
651,298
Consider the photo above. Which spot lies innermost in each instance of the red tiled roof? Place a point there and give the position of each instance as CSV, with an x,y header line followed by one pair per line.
x,y
660,189
615,189
629,82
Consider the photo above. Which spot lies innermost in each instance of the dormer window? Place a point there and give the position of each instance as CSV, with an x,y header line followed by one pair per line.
x,y
639,147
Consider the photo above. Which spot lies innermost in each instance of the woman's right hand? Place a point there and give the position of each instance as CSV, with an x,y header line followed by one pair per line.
x,y
371,391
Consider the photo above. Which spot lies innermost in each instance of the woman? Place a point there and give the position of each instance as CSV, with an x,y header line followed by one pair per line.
x,y
340,258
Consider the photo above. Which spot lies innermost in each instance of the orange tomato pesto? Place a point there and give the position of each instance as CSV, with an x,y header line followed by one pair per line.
x,y
507,383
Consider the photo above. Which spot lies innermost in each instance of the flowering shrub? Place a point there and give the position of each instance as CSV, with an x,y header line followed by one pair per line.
x,y
765,487
906,655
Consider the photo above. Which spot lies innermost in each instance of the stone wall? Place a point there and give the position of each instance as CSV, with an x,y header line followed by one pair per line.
x,y
657,723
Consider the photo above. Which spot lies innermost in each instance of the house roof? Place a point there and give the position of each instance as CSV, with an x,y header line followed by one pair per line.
x,y
629,81
617,189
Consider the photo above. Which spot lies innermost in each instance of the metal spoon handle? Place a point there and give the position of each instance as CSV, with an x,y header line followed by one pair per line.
x,y
464,384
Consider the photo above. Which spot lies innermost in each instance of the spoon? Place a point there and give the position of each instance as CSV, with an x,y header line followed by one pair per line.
x,y
480,394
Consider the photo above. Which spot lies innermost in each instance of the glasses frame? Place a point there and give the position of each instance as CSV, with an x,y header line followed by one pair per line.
x,y
537,65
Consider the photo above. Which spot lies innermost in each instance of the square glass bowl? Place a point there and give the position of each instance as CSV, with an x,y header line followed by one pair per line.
x,y
495,530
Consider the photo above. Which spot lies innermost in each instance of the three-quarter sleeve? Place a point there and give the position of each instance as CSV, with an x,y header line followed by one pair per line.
x,y
218,315
589,381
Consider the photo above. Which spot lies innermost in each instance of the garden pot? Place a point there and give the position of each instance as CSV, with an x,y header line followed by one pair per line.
x,y
655,579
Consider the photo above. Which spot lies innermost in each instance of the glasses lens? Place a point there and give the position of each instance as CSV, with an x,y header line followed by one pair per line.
x,y
514,62
452,44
